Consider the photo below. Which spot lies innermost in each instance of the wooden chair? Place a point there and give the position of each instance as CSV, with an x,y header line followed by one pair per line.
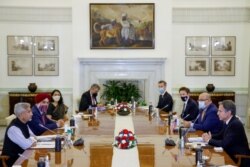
x,y
3,159
240,157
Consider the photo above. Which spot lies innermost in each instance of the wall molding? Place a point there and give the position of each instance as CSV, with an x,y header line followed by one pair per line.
x,y
242,91
35,14
211,15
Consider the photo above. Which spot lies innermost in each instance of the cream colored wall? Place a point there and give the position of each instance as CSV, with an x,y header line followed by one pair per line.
x,y
81,46
169,44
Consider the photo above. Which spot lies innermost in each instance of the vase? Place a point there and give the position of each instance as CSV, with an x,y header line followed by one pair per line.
x,y
210,87
32,87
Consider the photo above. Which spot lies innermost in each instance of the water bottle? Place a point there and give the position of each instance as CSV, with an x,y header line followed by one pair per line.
x,y
133,104
41,162
169,119
58,144
72,121
47,161
182,144
198,155
90,109
150,109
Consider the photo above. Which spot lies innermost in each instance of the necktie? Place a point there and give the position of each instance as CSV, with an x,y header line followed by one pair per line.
x,y
43,118
203,115
183,109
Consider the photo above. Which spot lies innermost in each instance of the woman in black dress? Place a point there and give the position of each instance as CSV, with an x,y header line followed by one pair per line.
x,y
57,109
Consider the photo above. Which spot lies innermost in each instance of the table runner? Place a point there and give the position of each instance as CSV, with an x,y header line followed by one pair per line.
x,y
129,157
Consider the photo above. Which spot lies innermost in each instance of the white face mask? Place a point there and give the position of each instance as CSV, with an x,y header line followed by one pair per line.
x,y
56,98
202,105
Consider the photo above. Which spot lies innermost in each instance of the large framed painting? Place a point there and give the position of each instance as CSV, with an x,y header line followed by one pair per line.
x,y
46,66
20,66
122,25
223,66
197,66
197,46
223,46
46,45
19,45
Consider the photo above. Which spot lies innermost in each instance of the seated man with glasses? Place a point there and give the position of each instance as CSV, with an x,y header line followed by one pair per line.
x,y
207,120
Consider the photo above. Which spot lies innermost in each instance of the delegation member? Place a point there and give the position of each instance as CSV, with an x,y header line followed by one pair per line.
x,y
88,98
165,102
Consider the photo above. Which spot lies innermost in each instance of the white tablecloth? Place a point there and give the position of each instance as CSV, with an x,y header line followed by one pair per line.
x,y
124,158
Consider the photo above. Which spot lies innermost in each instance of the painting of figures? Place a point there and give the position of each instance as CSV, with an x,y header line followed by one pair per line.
x,y
127,26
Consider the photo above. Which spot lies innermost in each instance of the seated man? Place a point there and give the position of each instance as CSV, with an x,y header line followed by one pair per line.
x,y
165,99
190,108
40,123
88,98
207,120
232,138
18,136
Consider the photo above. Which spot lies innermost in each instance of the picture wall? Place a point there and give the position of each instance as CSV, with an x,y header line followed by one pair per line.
x,y
213,56
28,55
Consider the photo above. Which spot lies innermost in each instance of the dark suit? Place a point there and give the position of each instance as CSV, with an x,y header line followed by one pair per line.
x,y
191,110
210,121
165,100
86,101
232,139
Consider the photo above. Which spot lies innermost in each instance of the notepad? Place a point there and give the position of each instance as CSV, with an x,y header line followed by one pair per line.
x,y
44,145
46,137
195,139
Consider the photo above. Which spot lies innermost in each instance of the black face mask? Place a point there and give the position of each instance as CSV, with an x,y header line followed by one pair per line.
x,y
94,94
184,98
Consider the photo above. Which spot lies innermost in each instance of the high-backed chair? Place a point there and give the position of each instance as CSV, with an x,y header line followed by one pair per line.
x,y
10,118
240,157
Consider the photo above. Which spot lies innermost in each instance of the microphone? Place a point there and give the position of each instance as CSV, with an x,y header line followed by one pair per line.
x,y
41,125
163,107
186,116
191,127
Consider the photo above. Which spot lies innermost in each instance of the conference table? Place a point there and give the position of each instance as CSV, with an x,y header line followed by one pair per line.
x,y
98,151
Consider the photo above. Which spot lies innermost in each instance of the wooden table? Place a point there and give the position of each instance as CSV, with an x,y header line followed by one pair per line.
x,y
98,151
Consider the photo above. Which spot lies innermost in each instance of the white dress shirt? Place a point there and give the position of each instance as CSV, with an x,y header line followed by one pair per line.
x,y
15,134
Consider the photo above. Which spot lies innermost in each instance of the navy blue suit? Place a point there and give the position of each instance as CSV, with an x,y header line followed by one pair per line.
x,y
86,101
232,139
191,110
37,119
166,102
210,121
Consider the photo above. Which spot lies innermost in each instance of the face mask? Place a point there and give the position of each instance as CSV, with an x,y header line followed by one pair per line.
x,y
202,105
184,98
56,98
161,90
43,108
94,94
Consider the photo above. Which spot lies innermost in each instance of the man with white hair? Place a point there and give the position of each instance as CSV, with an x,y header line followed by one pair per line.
x,y
18,136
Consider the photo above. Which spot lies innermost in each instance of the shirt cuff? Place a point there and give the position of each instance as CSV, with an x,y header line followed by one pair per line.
x,y
191,125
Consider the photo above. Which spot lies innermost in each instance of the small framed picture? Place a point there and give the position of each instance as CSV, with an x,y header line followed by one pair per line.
x,y
197,66
197,46
223,46
20,66
19,45
46,66
46,45
223,66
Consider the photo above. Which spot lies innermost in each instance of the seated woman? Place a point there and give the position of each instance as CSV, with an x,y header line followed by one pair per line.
x,y
57,109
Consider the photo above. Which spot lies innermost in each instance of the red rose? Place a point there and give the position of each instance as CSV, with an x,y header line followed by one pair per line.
x,y
131,138
125,131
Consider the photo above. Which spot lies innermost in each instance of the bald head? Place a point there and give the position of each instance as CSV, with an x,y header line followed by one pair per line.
x,y
206,97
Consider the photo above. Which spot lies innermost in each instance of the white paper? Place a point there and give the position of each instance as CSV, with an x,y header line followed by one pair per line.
x,y
46,137
44,145
195,139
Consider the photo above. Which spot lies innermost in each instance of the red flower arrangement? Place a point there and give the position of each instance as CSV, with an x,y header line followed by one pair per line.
x,y
123,109
125,140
